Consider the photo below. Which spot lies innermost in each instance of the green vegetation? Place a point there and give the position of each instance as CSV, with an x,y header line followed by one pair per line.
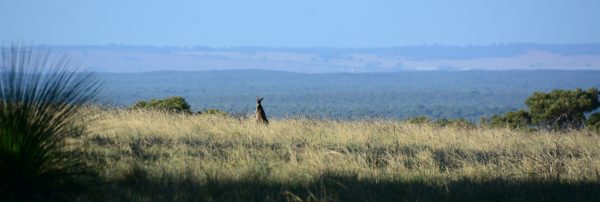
x,y
557,110
593,122
562,109
175,104
40,103
514,120
170,104
457,123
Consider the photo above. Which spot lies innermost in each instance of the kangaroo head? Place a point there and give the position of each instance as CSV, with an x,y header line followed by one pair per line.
x,y
258,100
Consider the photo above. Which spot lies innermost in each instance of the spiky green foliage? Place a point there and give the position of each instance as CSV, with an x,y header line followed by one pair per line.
x,y
562,109
40,98
171,104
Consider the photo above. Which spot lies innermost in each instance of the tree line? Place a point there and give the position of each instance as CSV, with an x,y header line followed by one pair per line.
x,y
555,110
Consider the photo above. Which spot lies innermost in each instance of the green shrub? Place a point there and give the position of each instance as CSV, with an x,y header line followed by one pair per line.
x,y
513,120
40,102
557,110
213,112
593,122
170,104
562,109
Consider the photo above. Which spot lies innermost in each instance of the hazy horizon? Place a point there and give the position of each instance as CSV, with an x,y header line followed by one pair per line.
x,y
311,36
201,46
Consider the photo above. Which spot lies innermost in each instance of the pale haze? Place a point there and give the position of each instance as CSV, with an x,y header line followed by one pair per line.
x,y
274,23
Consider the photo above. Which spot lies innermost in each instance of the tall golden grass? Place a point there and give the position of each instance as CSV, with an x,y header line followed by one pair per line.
x,y
136,147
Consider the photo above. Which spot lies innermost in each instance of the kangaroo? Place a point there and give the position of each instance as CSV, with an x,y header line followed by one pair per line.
x,y
261,117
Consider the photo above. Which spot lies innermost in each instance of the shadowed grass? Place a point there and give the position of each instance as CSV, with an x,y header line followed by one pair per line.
x,y
139,186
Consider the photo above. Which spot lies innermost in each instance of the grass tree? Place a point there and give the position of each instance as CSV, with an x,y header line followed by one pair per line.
x,y
40,101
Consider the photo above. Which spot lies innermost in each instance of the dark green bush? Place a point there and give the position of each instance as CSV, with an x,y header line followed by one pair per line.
x,y
170,104
40,102
593,122
557,110
513,120
562,109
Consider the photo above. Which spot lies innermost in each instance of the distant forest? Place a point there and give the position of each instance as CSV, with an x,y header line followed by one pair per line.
x,y
436,94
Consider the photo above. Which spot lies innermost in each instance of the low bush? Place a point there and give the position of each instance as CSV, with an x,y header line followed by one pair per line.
x,y
170,104
513,120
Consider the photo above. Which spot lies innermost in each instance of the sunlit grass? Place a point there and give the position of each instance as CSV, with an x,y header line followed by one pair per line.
x,y
184,157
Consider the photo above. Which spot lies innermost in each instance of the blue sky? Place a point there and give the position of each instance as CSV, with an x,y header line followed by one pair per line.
x,y
307,23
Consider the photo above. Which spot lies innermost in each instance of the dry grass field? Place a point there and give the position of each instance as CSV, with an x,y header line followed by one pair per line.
x,y
155,156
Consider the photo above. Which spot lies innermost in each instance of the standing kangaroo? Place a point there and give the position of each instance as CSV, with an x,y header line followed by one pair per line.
x,y
261,117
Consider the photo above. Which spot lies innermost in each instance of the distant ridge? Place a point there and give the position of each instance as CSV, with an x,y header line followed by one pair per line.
x,y
518,56
431,51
